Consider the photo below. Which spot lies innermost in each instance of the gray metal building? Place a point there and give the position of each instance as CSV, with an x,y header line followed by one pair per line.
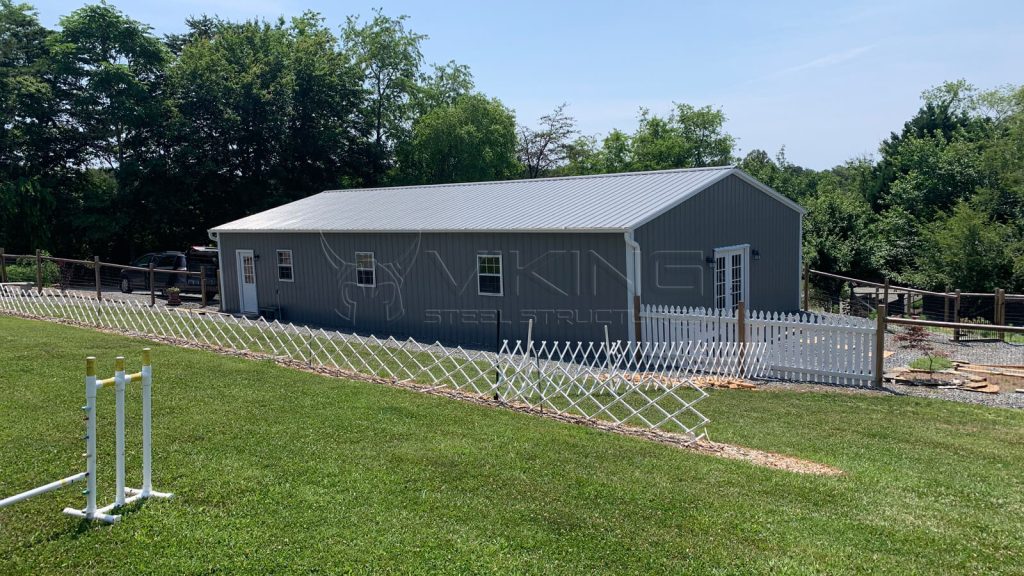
x,y
575,254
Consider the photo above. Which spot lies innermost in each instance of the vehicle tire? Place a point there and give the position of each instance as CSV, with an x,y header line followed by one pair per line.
x,y
126,286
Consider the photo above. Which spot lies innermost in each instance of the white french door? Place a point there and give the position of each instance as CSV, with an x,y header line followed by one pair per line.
x,y
732,278
247,303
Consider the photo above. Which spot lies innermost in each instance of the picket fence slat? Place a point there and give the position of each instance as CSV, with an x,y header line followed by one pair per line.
x,y
812,347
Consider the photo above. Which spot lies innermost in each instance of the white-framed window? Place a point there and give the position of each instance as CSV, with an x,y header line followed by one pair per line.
x,y
365,275
488,274
732,277
285,269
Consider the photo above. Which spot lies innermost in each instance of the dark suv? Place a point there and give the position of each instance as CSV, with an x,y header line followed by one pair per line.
x,y
192,261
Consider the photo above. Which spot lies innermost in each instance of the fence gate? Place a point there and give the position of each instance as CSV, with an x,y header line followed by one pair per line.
x,y
825,348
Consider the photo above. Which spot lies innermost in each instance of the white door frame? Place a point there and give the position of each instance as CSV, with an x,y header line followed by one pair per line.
x,y
242,300
728,300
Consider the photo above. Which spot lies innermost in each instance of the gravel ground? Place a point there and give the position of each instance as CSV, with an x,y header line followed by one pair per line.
x,y
190,301
975,352
1002,400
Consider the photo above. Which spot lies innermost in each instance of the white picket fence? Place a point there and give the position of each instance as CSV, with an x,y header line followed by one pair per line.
x,y
824,348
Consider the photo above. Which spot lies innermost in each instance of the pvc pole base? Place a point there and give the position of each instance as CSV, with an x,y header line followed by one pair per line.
x,y
108,518
136,494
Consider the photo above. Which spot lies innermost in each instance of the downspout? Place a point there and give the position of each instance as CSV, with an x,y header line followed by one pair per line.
x,y
215,236
633,283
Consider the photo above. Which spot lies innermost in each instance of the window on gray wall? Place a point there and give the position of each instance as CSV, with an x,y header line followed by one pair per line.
x,y
488,274
285,271
365,269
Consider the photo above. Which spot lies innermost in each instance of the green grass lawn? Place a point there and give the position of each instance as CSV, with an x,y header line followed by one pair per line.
x,y
281,471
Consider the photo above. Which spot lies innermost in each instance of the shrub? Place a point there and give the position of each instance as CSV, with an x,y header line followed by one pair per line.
x,y
24,270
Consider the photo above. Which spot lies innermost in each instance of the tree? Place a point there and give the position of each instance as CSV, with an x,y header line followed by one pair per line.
x,y
966,249
469,141
442,87
109,70
835,230
389,58
688,138
545,149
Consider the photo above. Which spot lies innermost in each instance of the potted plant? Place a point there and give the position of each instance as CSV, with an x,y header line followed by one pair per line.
x,y
174,296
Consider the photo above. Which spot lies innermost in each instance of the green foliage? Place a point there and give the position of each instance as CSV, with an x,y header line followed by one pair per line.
x,y
471,140
966,249
687,138
835,229
24,270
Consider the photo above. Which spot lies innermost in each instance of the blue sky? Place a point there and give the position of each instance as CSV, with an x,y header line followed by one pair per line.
x,y
828,80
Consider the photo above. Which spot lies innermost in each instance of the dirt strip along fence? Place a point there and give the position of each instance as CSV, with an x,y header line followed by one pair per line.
x,y
100,279
985,316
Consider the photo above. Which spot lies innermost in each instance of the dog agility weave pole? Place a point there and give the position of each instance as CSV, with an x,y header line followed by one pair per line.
x,y
123,494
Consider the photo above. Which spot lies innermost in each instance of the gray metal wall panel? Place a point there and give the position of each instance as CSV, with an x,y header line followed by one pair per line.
x,y
571,284
728,213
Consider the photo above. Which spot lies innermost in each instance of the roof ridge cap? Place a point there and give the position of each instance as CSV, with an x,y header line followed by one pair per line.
x,y
531,180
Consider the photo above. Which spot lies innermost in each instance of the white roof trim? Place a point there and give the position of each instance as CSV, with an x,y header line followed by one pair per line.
x,y
427,231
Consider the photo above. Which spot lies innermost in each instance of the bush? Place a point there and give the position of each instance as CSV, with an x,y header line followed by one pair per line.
x,y
24,270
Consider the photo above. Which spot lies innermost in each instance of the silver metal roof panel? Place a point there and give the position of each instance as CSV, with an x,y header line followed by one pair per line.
x,y
599,203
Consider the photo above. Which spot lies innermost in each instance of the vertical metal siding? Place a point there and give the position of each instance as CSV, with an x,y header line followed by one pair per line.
x,y
426,284
728,213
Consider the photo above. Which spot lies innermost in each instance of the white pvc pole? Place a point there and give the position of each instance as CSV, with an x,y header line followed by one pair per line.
x,y
43,489
120,388
90,436
147,424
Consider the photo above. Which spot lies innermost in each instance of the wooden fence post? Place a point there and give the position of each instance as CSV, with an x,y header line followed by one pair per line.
x,y
202,284
97,266
3,266
882,312
152,286
945,306
741,321
956,315
39,271
885,293
1000,311
807,291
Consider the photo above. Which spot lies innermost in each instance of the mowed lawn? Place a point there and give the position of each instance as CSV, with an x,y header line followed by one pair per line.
x,y
280,471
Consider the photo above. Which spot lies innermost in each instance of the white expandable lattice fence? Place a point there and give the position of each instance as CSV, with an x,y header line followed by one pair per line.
x,y
652,385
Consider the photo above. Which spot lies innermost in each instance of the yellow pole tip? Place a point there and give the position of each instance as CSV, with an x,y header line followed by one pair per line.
x,y
119,364
145,356
90,366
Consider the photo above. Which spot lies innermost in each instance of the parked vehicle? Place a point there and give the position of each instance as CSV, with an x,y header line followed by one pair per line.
x,y
193,260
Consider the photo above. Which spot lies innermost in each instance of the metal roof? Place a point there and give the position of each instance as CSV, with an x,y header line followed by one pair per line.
x,y
599,203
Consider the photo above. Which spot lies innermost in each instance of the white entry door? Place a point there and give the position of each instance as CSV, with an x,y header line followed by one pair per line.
x,y
731,276
247,303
